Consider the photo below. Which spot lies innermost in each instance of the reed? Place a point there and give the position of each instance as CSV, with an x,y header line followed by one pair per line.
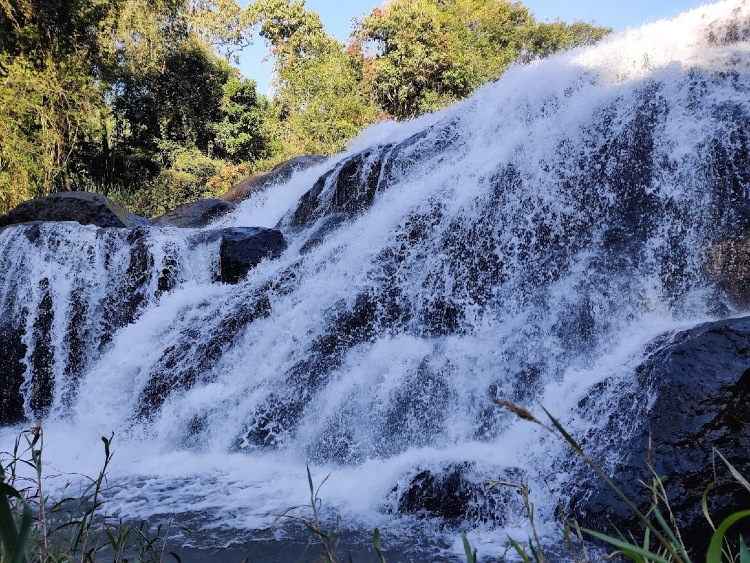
x,y
37,529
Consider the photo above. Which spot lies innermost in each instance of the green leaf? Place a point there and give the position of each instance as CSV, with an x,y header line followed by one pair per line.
x,y
467,549
672,537
519,550
713,555
736,474
376,541
744,553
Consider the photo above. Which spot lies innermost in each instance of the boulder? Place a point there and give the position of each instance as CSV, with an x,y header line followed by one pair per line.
x,y
84,207
700,382
279,174
196,214
242,248
459,492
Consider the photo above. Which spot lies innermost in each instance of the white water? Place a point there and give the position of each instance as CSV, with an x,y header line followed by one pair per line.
x,y
527,246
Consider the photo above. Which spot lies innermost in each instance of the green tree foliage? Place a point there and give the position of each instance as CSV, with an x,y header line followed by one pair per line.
x,y
318,101
222,24
244,134
427,54
137,97
48,99
547,38
113,94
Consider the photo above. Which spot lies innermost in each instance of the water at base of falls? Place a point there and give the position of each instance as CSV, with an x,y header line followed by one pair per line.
x,y
527,244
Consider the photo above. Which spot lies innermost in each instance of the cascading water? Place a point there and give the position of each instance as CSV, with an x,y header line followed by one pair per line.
x,y
525,244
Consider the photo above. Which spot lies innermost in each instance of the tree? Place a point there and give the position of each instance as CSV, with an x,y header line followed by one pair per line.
x,y
49,102
222,24
426,54
544,39
318,100
243,134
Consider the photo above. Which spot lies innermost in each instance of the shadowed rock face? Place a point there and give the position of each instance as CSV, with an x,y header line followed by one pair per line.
x,y
195,215
279,174
242,248
12,352
700,379
458,492
84,207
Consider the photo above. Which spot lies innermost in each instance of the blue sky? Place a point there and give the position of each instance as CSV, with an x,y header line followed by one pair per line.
x,y
618,14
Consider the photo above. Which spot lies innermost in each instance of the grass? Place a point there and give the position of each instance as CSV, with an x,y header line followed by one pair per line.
x,y
77,529
35,529
328,539
662,541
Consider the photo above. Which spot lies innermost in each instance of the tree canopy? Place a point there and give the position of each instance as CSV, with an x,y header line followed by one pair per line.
x,y
138,98
426,54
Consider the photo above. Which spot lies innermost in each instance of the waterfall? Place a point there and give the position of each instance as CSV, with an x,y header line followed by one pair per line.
x,y
525,244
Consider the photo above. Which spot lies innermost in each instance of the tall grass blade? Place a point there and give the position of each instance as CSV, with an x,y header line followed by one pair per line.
x,y
666,543
704,504
744,553
667,528
713,555
24,533
736,474
376,542
629,549
471,556
14,538
519,550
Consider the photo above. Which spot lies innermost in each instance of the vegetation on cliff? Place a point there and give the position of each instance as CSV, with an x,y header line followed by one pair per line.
x,y
139,100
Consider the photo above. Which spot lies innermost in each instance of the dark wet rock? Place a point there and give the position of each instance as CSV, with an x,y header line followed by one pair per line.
x,y
41,360
12,369
183,363
196,214
83,207
458,492
242,248
278,175
729,269
351,186
278,414
323,228
355,182
700,379
135,221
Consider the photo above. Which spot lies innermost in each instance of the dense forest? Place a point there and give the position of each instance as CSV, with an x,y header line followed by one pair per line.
x,y
139,99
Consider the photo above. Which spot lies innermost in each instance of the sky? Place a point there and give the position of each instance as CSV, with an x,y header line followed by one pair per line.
x,y
337,16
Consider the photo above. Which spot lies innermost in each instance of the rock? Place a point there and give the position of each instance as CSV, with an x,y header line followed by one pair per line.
x,y
729,269
457,492
700,379
355,180
12,369
279,174
84,207
196,214
242,248
135,221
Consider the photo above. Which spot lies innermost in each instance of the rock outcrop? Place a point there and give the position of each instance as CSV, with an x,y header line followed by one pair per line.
x,y
242,248
85,208
12,352
279,174
196,214
699,380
